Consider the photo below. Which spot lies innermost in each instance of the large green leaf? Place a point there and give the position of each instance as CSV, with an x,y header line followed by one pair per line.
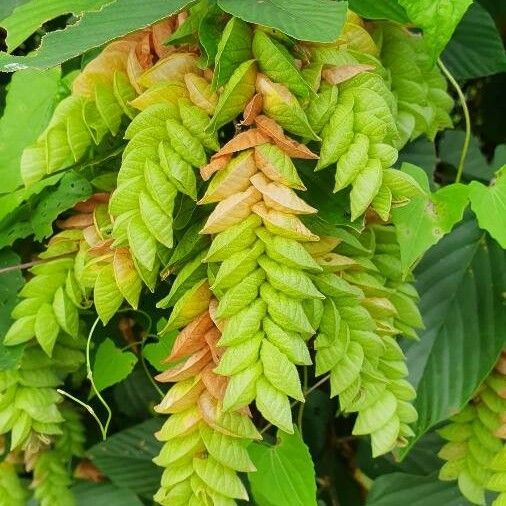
x,y
476,48
399,489
125,458
72,189
10,283
94,29
426,219
422,153
30,102
475,166
156,352
29,16
314,20
7,6
437,18
489,205
461,281
103,494
285,472
380,9
111,365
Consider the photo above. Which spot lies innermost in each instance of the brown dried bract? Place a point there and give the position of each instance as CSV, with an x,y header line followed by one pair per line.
x,y
242,141
252,110
291,147
215,165
336,75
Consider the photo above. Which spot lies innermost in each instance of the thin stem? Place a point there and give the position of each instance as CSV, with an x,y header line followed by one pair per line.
x,y
467,119
306,393
88,408
27,265
89,375
302,404
146,370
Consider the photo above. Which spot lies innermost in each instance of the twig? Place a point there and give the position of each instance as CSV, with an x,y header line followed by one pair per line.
x,y
89,375
306,393
27,265
467,119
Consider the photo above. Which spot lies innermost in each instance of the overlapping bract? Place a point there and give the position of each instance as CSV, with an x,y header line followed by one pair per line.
x,y
167,141
356,335
475,453
12,491
99,102
423,103
203,444
250,303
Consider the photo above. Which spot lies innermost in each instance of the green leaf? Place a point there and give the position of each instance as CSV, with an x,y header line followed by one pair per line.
x,y
30,102
72,189
27,18
111,365
422,153
278,64
103,494
399,489
94,29
476,48
156,352
210,29
476,166
233,49
437,18
236,94
106,294
426,219
313,20
125,458
7,6
380,9
10,283
489,205
461,282
285,472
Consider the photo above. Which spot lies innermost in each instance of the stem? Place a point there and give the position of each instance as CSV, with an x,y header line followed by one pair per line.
x,y
306,393
89,374
146,370
27,265
467,119
302,404
88,408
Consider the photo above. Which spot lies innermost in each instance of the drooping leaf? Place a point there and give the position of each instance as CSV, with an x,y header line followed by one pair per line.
x,y
313,20
489,205
94,29
437,18
476,49
426,219
30,102
125,458
28,17
111,365
285,472
461,282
